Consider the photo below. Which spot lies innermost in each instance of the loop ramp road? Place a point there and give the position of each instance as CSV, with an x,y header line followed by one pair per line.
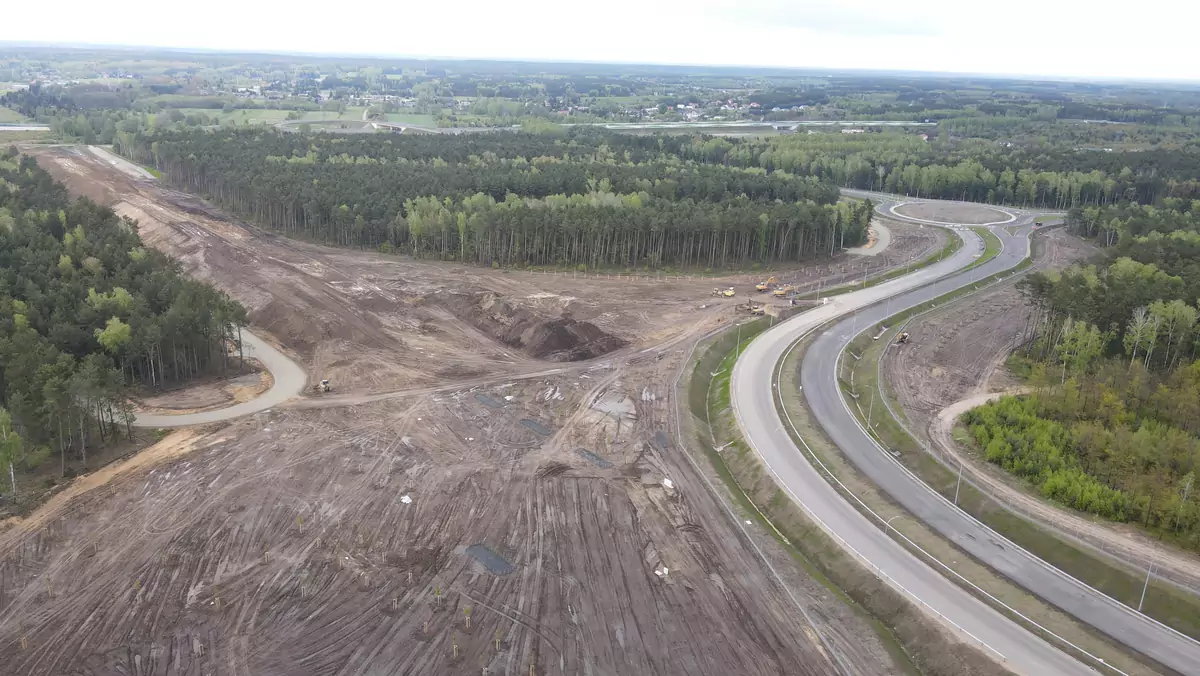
x,y
753,386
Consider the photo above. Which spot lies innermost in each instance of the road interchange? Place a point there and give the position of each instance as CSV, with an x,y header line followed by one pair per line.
x,y
754,402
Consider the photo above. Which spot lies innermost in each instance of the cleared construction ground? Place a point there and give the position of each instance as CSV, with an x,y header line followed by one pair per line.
x,y
494,487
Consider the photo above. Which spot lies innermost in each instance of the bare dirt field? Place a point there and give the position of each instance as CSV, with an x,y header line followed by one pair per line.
x,y
956,358
207,396
496,485
956,352
949,212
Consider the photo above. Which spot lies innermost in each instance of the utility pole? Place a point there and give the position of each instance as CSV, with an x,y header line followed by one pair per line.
x,y
1144,587
870,410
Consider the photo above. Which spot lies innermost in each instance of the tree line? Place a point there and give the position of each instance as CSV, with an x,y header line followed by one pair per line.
x,y
86,313
1114,426
1113,438
1040,175
590,198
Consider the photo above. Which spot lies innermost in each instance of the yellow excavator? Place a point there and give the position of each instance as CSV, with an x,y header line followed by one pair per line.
x,y
727,293
782,291
763,286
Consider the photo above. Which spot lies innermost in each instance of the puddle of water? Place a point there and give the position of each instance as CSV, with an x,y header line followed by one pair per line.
x,y
593,458
488,401
495,564
536,427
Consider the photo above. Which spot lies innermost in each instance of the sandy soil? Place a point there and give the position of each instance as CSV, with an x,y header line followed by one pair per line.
x,y
954,363
208,396
957,352
950,212
454,468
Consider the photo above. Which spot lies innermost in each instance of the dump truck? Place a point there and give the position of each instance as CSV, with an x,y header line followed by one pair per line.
x,y
323,386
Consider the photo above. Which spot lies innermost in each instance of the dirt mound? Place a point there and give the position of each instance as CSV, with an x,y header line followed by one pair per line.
x,y
560,338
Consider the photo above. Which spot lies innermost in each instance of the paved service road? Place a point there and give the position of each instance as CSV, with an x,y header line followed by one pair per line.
x,y
753,400
819,382
289,381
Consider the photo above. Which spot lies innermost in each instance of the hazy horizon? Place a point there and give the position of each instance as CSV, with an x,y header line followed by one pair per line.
x,y
1023,38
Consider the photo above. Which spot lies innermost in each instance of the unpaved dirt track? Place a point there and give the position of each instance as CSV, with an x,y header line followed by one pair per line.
x,y
289,381
954,360
822,391
450,470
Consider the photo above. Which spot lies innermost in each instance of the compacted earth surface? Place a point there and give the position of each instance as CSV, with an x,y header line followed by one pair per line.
x,y
952,212
495,486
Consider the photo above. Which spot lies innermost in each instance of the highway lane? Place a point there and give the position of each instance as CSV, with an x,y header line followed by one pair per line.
x,y
753,402
819,381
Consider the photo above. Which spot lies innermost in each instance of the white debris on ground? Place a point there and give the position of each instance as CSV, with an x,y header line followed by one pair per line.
x,y
406,499
552,393
647,395
662,572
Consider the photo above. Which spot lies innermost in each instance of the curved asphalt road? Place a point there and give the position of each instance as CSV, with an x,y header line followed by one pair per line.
x,y
754,406
818,377
289,381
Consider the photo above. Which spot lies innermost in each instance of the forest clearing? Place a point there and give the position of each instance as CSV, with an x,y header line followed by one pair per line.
x,y
495,485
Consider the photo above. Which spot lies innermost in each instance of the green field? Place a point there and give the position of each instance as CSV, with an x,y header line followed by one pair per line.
x,y
412,118
10,115
257,116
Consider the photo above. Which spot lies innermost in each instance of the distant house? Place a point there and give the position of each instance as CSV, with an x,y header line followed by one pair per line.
x,y
853,131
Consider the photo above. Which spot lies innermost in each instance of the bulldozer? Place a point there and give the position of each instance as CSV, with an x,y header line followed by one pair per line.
x,y
902,338
763,286
323,386
727,293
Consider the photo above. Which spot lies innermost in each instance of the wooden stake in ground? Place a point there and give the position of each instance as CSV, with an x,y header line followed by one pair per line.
x,y
300,523
467,614
395,604
498,640
454,643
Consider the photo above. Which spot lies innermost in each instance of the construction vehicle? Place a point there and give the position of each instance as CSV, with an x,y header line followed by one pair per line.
x,y
902,339
753,308
727,293
763,286
782,291
323,386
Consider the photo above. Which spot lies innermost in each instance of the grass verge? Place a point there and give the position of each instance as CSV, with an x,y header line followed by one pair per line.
x,y
952,244
860,376
917,642
991,247
1164,602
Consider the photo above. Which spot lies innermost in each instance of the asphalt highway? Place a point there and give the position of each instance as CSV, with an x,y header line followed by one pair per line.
x,y
819,382
753,399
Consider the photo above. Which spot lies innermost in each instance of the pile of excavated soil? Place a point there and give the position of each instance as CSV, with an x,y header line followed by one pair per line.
x,y
559,338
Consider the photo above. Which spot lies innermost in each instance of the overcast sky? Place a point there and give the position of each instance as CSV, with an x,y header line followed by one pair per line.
x,y
1152,39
